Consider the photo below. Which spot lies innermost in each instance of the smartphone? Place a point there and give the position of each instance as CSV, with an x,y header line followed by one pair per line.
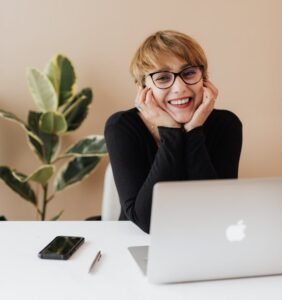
x,y
61,247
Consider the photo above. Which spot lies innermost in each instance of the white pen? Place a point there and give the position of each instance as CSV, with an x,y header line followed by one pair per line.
x,y
96,259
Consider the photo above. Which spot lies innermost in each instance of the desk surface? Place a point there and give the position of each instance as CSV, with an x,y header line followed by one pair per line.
x,y
25,276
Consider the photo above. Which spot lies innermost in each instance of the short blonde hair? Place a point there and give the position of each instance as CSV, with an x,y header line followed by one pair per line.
x,y
167,42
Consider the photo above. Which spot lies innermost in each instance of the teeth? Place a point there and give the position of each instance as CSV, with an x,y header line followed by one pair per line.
x,y
179,102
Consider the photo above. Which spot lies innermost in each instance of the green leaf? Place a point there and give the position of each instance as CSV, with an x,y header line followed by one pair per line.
x,y
53,123
42,174
75,171
93,145
76,111
46,150
61,73
2,218
42,91
11,178
11,117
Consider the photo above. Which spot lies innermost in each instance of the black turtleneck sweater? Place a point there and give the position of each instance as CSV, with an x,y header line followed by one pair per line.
x,y
211,151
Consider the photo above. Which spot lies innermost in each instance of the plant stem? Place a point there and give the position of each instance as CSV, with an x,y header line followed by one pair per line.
x,y
39,211
50,198
61,157
45,201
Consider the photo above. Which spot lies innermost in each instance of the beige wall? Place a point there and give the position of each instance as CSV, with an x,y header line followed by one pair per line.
x,y
243,42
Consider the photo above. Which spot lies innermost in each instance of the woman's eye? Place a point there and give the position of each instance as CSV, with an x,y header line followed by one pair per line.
x,y
163,77
189,73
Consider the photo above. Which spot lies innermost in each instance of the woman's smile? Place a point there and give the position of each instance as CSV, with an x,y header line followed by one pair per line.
x,y
183,102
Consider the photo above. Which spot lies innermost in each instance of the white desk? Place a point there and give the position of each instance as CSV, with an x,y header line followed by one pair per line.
x,y
25,276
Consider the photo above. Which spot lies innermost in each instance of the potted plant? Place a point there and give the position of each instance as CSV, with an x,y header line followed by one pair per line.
x,y
61,110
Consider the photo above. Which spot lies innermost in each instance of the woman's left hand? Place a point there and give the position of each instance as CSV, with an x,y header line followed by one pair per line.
x,y
205,108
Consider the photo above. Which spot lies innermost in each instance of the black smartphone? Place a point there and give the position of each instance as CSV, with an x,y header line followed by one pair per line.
x,y
61,247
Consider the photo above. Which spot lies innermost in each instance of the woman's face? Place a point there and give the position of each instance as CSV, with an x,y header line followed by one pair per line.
x,y
181,100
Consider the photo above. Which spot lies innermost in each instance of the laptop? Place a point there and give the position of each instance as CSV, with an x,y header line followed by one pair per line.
x,y
217,229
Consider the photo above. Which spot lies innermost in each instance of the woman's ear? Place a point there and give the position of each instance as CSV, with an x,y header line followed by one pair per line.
x,y
140,84
143,83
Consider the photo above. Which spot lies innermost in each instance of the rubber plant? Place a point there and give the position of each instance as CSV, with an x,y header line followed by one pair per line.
x,y
61,110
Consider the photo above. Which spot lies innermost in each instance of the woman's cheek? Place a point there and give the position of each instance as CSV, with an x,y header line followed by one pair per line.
x,y
158,97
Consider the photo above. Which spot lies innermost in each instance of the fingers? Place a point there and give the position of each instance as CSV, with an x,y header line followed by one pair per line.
x,y
208,95
209,85
139,98
208,101
143,99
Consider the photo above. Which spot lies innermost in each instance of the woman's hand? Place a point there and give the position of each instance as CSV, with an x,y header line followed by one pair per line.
x,y
151,111
205,108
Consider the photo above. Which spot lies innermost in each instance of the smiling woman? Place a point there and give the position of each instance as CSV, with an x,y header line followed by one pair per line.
x,y
174,133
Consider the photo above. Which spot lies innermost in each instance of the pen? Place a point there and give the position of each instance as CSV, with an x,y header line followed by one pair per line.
x,y
96,259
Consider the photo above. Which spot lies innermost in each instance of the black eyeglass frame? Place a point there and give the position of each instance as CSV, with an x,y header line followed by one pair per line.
x,y
175,74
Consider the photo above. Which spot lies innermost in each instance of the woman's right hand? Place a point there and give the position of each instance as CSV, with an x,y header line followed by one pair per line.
x,y
151,111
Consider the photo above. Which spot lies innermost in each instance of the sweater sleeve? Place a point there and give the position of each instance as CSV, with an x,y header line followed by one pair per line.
x,y
219,157
133,180
197,158
227,151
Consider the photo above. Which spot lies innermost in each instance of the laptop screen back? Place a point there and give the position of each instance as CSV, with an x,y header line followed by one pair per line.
x,y
204,230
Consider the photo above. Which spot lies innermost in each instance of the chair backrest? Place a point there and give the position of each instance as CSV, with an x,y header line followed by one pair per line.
x,y
110,203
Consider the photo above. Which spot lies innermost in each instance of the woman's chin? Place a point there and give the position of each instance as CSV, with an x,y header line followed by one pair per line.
x,y
182,119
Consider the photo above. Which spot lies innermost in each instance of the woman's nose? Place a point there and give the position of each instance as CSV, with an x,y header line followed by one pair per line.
x,y
179,85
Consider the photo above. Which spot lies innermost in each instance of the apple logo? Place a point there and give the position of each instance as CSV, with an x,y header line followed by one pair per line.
x,y
236,232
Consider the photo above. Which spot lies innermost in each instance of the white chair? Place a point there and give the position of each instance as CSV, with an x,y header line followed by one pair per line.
x,y
110,204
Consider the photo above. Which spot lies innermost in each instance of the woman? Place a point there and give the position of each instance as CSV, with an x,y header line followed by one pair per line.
x,y
174,132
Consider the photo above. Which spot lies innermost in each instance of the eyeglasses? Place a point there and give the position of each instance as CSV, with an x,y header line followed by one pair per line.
x,y
165,79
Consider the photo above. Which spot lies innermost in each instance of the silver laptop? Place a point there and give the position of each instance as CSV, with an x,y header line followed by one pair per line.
x,y
219,229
